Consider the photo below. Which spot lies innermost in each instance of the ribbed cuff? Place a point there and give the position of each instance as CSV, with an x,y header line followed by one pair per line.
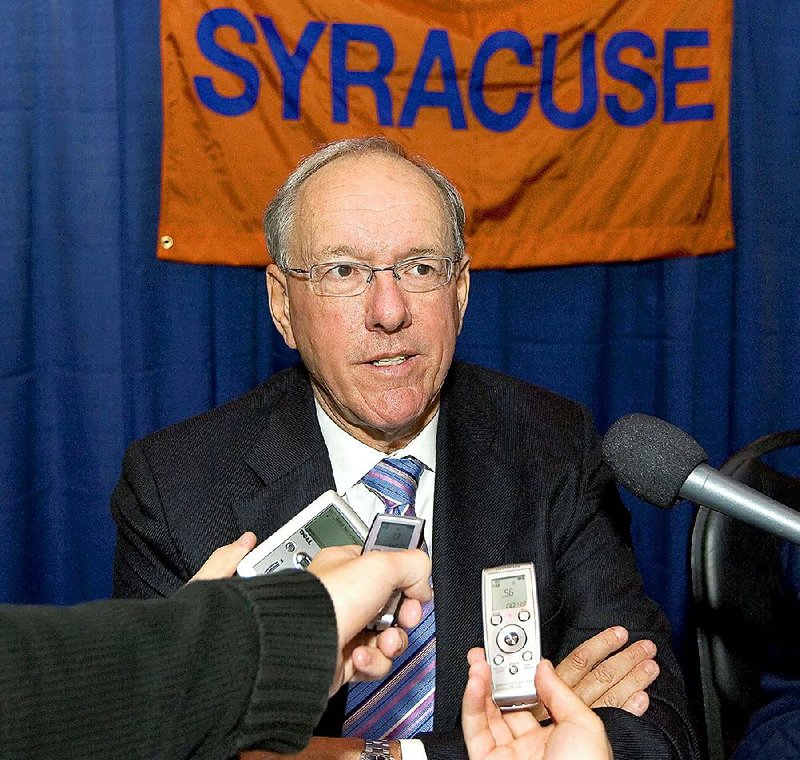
x,y
298,649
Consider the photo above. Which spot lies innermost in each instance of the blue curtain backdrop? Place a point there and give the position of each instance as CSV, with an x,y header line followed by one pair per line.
x,y
100,343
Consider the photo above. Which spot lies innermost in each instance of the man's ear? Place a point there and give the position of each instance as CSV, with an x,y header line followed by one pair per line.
x,y
462,290
278,292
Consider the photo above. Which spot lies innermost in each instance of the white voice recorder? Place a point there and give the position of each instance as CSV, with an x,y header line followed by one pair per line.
x,y
511,634
327,521
390,533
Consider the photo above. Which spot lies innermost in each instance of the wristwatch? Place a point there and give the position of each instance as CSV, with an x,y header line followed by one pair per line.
x,y
375,749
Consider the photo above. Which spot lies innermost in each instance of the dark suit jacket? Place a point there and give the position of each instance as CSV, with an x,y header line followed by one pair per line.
x,y
519,478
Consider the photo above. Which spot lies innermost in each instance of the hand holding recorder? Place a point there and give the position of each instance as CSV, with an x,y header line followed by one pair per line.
x,y
360,587
597,671
576,732
390,544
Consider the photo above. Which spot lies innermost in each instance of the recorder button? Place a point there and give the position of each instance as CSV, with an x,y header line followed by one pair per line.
x,y
302,560
527,655
511,638
513,670
524,615
496,620
498,659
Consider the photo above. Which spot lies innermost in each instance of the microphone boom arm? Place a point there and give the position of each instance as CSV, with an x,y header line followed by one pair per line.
x,y
706,487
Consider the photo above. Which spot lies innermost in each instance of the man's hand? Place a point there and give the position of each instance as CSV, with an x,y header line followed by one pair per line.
x,y
603,679
360,585
576,732
222,563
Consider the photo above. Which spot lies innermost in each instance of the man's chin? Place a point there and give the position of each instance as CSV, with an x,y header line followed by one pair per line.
x,y
385,419
397,426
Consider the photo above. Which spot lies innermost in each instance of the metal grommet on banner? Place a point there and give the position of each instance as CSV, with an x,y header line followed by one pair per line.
x,y
166,242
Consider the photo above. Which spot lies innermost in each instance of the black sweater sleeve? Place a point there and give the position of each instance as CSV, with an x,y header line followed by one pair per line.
x,y
219,667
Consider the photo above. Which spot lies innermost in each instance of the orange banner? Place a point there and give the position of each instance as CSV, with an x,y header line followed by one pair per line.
x,y
576,130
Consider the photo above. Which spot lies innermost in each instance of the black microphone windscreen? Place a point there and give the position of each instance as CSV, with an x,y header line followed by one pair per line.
x,y
651,458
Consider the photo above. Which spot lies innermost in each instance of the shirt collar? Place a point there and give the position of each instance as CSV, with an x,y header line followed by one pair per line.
x,y
351,460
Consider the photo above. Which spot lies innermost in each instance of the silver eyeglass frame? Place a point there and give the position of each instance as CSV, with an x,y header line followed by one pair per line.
x,y
360,266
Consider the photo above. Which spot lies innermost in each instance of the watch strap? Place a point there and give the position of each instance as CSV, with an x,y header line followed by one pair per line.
x,y
376,749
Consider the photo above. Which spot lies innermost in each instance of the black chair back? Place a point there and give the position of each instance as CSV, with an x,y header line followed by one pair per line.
x,y
742,616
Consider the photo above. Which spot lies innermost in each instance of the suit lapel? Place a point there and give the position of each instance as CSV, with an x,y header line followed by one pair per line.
x,y
473,493
290,457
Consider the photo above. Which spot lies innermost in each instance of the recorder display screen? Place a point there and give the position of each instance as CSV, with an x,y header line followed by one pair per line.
x,y
330,528
509,593
394,535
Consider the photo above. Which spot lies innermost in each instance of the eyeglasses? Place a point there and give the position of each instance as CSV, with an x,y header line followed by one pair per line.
x,y
420,274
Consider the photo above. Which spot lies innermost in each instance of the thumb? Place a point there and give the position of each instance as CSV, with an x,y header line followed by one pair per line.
x,y
222,562
562,703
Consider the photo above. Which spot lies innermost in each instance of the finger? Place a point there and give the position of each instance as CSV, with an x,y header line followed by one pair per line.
x,y
613,672
485,732
409,568
392,642
478,665
222,562
504,727
410,613
567,708
633,683
360,586
637,703
587,655
332,557
373,659
369,664
345,669
499,729
561,701
474,723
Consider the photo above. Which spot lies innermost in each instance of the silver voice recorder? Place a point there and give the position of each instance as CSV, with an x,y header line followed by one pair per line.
x,y
327,521
511,634
392,533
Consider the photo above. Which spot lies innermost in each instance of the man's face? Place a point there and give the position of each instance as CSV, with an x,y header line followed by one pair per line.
x,y
377,360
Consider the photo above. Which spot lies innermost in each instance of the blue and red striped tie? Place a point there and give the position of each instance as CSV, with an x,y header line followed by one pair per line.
x,y
401,705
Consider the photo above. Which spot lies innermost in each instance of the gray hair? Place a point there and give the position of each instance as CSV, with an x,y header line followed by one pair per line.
x,y
279,218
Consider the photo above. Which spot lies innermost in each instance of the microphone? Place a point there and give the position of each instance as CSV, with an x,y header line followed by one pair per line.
x,y
660,463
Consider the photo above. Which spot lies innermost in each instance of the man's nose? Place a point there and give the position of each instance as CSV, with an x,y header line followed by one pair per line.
x,y
386,304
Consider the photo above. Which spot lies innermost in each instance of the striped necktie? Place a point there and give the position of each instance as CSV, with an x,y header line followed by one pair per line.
x,y
401,705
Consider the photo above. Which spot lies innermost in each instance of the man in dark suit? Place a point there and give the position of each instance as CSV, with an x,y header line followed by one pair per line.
x,y
370,283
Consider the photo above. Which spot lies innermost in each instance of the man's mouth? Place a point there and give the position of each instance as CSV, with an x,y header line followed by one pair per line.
x,y
389,361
